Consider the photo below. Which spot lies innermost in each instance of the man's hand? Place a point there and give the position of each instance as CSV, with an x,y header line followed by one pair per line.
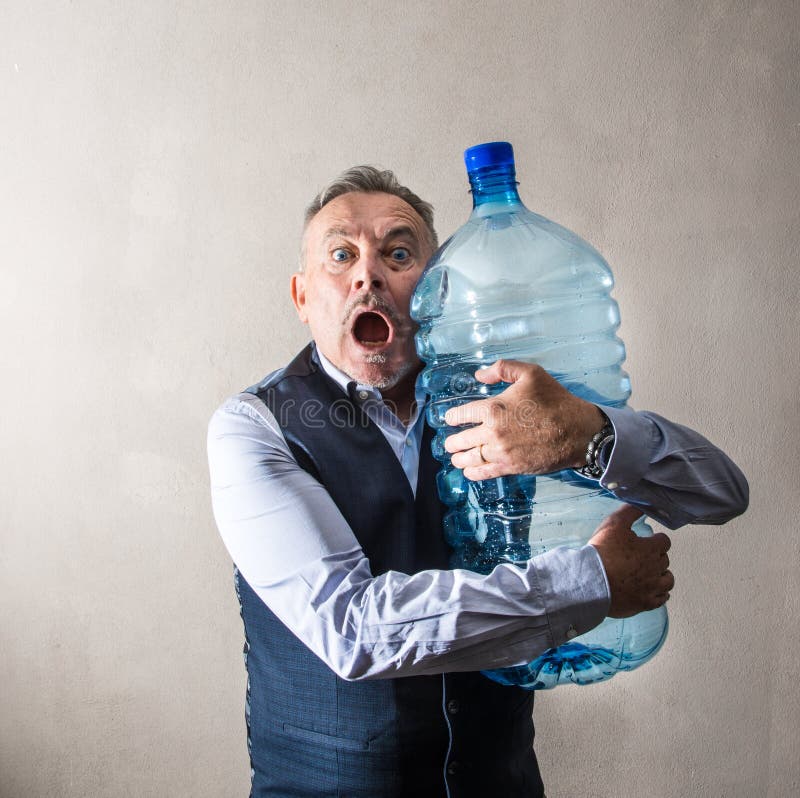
x,y
637,568
535,426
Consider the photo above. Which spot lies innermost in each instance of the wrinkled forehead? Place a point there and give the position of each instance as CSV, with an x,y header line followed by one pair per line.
x,y
374,216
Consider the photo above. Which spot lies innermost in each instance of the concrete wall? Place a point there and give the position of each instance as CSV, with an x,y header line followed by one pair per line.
x,y
155,158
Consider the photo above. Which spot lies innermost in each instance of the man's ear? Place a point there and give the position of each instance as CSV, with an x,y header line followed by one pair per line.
x,y
298,289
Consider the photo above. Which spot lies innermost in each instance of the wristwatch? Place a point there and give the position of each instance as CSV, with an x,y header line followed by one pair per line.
x,y
598,451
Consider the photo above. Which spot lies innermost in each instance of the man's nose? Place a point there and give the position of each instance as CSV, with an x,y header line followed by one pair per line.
x,y
368,273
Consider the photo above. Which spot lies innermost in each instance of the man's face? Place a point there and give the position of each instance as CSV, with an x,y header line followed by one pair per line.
x,y
363,256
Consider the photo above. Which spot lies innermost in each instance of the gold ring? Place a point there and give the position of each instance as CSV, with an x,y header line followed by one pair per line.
x,y
480,453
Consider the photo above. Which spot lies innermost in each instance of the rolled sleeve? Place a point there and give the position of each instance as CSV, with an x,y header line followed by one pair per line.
x,y
671,472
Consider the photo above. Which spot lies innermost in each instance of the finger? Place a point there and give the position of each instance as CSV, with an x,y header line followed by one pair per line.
x,y
468,413
480,472
662,588
659,599
654,602
471,458
662,540
625,516
502,371
466,439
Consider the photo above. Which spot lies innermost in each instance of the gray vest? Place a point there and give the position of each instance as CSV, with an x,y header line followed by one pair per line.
x,y
311,733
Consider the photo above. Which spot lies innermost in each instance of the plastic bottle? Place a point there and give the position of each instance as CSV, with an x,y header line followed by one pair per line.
x,y
512,284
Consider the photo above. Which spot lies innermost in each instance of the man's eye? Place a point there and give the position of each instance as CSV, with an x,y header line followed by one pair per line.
x,y
340,255
400,254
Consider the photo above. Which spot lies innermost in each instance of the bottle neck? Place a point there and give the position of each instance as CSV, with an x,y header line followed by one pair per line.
x,y
495,185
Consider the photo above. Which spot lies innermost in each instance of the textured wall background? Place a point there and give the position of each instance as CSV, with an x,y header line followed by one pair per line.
x,y
155,161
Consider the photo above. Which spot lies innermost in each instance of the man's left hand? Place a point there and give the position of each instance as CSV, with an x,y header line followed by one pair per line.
x,y
535,426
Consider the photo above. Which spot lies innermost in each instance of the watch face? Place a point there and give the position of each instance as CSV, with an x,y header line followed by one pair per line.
x,y
604,449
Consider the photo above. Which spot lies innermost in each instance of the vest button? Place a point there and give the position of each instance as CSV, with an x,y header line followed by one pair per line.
x,y
453,706
362,394
453,768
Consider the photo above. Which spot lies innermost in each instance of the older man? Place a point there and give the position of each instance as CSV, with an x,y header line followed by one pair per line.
x,y
362,647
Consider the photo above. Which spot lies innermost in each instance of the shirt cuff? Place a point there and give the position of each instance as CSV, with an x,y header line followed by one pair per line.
x,y
630,456
574,590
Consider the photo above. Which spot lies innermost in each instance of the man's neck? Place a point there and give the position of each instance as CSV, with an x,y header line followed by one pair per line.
x,y
401,398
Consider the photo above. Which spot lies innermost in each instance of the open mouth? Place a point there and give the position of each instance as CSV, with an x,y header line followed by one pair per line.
x,y
371,329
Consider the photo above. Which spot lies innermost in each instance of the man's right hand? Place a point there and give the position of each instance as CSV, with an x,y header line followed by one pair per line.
x,y
637,568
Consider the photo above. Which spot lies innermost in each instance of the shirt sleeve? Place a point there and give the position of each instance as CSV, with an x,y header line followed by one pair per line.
x,y
295,549
671,472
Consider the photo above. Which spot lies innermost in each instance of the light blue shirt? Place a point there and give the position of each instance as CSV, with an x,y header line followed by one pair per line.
x,y
292,545
404,440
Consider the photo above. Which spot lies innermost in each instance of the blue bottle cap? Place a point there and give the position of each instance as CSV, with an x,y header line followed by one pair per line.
x,y
493,153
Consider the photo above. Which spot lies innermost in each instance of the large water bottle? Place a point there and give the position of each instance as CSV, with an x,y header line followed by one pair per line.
x,y
512,284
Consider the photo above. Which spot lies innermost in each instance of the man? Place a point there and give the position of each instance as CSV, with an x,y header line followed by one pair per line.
x,y
362,647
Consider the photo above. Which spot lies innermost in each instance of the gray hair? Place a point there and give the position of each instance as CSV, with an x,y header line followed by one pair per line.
x,y
368,180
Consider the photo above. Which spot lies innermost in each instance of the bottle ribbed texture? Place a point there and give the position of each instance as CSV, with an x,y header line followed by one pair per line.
x,y
512,284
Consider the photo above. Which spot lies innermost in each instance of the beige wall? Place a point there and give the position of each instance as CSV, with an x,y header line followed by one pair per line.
x,y
154,162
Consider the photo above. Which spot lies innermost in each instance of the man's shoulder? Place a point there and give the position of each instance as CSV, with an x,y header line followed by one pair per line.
x,y
251,401
243,408
272,400
302,365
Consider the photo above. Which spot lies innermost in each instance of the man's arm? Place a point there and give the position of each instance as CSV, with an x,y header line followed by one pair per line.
x,y
536,426
297,552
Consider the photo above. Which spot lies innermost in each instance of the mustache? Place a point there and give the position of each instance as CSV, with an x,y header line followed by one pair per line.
x,y
374,302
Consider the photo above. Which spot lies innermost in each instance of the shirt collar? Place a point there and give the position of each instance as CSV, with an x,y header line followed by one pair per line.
x,y
346,382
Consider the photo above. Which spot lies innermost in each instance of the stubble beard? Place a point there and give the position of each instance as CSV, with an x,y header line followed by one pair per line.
x,y
383,381
376,361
